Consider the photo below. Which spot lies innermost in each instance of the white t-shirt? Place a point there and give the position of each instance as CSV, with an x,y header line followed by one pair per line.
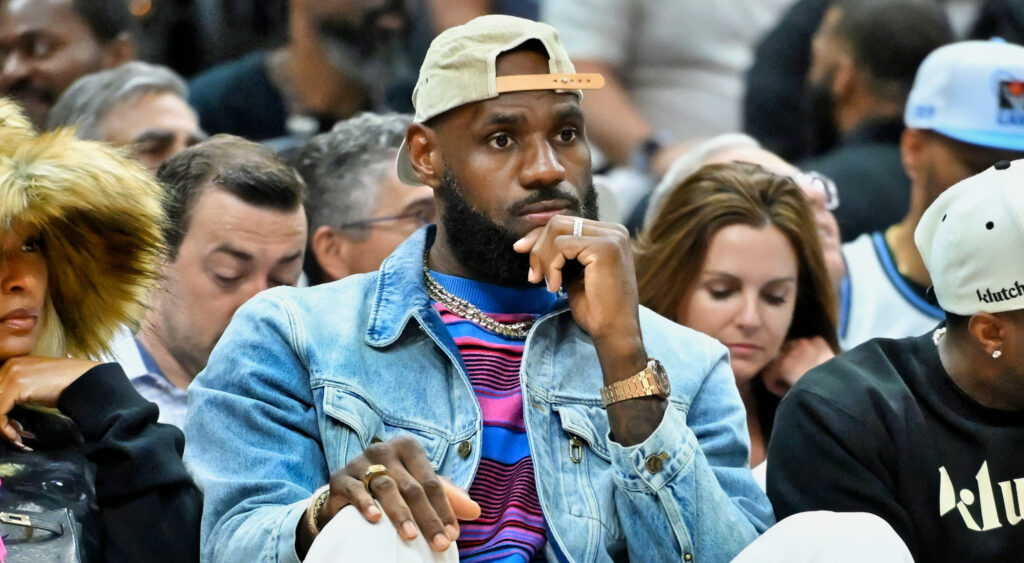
x,y
683,62
875,300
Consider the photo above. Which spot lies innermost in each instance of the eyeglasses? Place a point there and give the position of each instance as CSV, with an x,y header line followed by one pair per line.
x,y
422,216
819,187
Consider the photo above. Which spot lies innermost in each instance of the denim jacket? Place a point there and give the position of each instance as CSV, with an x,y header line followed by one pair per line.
x,y
303,380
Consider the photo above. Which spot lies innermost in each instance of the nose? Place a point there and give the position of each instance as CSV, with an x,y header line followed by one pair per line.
x,y
13,277
749,318
541,167
13,68
258,285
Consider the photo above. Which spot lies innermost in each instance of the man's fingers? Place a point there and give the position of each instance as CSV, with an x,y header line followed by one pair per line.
x,y
526,243
552,269
405,498
435,492
394,505
426,497
347,490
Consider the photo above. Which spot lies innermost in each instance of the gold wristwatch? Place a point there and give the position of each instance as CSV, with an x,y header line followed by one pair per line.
x,y
651,381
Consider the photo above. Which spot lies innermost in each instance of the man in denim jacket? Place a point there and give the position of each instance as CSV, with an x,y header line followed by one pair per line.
x,y
503,349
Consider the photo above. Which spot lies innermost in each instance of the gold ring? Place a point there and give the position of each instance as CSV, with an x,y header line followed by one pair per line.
x,y
371,473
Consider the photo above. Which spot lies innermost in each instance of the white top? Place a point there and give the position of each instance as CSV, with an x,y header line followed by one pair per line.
x,y
683,63
875,300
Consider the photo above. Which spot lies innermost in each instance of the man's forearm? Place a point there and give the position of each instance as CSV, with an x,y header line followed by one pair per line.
x,y
633,420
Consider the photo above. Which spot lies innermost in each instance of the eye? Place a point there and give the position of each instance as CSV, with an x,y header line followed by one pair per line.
x,y
773,299
40,48
501,140
424,216
568,135
719,293
226,280
32,245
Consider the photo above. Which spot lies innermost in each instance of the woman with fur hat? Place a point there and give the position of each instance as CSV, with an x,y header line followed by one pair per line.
x,y
79,248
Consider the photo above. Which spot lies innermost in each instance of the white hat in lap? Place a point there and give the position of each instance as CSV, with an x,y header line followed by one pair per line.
x,y
972,242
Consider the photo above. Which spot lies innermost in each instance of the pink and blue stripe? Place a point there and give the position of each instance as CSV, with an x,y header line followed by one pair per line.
x,y
511,526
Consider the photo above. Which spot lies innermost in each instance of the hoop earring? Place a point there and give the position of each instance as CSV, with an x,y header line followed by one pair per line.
x,y
997,353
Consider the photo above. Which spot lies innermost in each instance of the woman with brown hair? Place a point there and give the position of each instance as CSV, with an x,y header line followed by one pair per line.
x,y
83,461
734,253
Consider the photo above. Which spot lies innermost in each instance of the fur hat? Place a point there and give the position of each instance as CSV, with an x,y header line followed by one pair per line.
x,y
100,217
11,116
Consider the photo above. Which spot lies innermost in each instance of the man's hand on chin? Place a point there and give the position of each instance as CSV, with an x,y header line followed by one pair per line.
x,y
604,303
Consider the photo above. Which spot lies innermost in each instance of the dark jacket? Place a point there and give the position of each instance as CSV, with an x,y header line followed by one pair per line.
x,y
108,461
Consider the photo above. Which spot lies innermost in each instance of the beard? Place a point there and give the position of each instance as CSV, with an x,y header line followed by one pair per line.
x,y
820,129
483,246
365,52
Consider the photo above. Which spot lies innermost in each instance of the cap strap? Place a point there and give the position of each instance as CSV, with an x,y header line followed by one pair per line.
x,y
520,82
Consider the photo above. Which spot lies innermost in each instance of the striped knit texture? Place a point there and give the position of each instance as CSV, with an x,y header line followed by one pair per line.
x,y
511,525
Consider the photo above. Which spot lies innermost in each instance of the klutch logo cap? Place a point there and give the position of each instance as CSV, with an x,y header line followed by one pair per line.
x,y
972,242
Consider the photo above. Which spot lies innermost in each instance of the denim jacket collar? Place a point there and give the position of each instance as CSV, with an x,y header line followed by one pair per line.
x,y
401,292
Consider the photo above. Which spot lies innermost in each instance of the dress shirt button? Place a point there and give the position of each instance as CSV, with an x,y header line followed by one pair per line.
x,y
654,463
465,448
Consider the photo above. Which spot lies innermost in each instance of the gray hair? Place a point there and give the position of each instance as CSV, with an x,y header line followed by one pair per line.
x,y
343,167
91,97
691,161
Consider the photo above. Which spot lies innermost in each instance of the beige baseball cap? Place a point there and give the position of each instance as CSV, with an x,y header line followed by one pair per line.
x,y
460,68
972,241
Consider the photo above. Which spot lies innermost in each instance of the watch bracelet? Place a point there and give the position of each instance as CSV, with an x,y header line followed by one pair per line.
x,y
319,500
613,393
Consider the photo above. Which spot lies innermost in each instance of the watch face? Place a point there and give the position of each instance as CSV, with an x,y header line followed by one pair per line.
x,y
662,378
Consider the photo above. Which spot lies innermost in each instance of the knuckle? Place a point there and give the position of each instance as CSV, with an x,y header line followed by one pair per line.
x,y
376,451
432,486
411,489
382,485
431,525
350,488
408,443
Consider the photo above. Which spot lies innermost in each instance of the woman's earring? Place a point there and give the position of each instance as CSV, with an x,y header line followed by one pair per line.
x,y
997,353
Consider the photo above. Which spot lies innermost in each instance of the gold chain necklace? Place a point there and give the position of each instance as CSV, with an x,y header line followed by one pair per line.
x,y
467,310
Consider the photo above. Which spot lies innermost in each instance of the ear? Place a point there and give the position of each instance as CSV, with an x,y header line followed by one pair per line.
x,y
119,50
990,331
846,78
330,248
425,154
912,147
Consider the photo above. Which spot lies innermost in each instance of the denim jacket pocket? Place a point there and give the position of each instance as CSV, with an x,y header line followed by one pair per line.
x,y
363,425
578,422
586,488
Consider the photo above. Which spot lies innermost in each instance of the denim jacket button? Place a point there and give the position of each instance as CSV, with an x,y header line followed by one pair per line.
x,y
654,464
465,448
688,557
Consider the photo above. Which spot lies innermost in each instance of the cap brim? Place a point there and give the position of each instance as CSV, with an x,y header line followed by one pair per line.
x,y
403,166
1006,141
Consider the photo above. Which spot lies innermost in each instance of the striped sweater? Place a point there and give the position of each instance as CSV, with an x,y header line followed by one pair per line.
x,y
511,525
